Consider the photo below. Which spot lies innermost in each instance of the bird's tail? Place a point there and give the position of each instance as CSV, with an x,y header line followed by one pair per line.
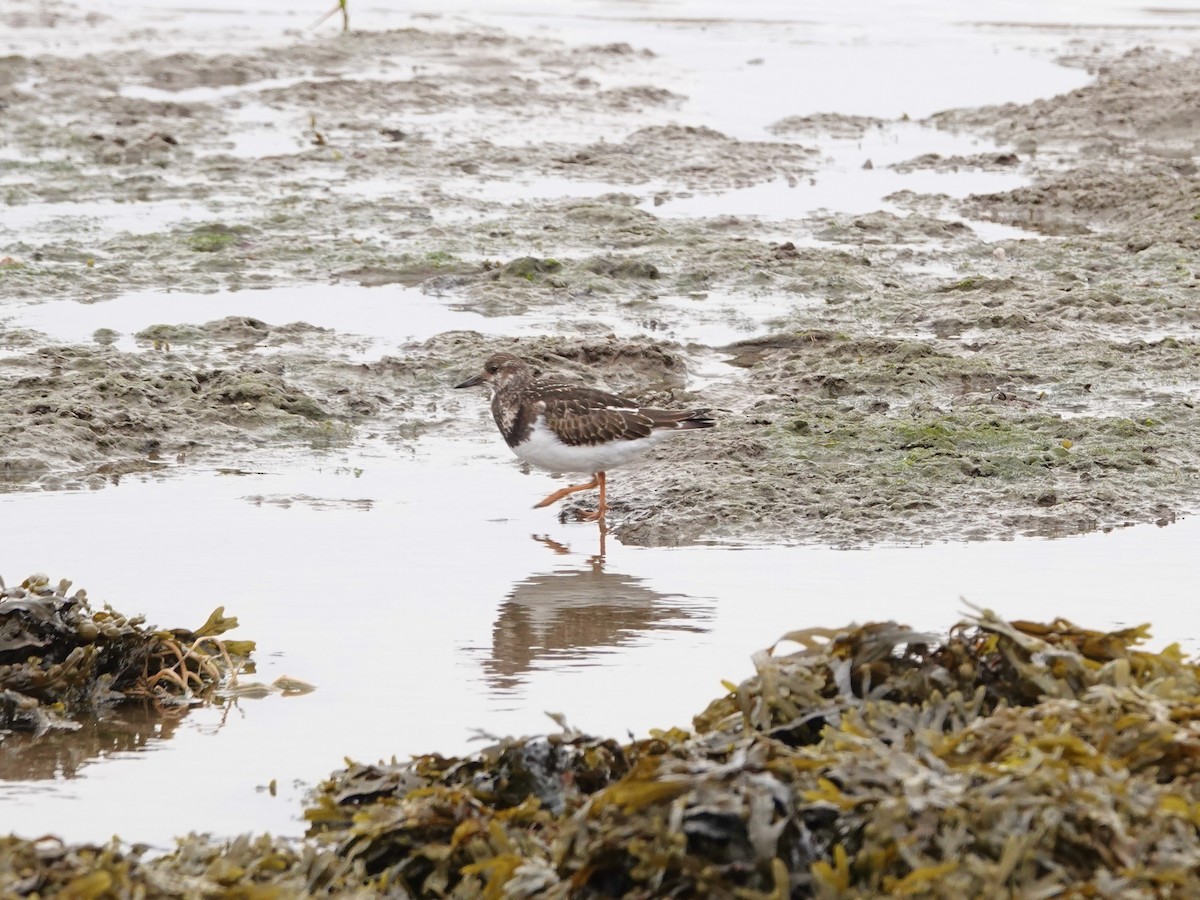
x,y
680,418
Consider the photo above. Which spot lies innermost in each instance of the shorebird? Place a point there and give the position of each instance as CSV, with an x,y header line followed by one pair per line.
x,y
563,426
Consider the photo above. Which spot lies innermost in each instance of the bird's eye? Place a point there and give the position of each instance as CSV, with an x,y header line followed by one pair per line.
x,y
492,369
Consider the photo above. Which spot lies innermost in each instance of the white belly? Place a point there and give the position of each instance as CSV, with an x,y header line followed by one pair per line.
x,y
546,451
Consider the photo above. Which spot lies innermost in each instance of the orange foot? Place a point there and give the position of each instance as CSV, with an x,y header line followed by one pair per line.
x,y
564,492
597,515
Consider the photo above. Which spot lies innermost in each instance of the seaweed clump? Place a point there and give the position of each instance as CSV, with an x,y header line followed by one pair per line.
x,y
1004,759
262,868
60,660
1017,758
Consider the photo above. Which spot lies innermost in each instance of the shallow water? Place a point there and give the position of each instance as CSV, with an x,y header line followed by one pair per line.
x,y
389,316
409,585
411,582
99,218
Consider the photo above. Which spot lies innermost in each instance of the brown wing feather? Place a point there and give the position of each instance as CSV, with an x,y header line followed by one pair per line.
x,y
586,417
583,416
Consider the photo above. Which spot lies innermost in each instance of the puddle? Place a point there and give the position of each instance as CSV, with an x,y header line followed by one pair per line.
x,y
391,315
259,131
410,585
734,63
207,94
100,218
841,183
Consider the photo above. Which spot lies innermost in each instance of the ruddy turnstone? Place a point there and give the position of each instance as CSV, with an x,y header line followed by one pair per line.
x,y
567,427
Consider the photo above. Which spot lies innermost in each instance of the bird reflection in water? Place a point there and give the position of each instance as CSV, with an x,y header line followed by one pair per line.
x,y
576,612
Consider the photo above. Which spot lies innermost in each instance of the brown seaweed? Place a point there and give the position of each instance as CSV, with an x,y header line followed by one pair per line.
x,y
1002,759
61,661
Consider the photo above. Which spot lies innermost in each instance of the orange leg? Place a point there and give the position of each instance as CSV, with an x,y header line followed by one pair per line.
x,y
598,515
563,492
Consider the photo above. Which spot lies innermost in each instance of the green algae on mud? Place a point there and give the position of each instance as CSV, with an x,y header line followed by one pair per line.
x,y
1034,758
61,661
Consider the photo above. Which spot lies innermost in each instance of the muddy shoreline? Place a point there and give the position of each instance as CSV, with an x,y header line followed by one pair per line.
x,y
926,383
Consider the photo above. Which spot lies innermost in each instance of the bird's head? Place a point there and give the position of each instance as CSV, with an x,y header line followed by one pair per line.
x,y
500,370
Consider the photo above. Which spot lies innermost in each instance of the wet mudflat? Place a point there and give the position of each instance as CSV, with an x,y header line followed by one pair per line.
x,y
242,265
895,268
